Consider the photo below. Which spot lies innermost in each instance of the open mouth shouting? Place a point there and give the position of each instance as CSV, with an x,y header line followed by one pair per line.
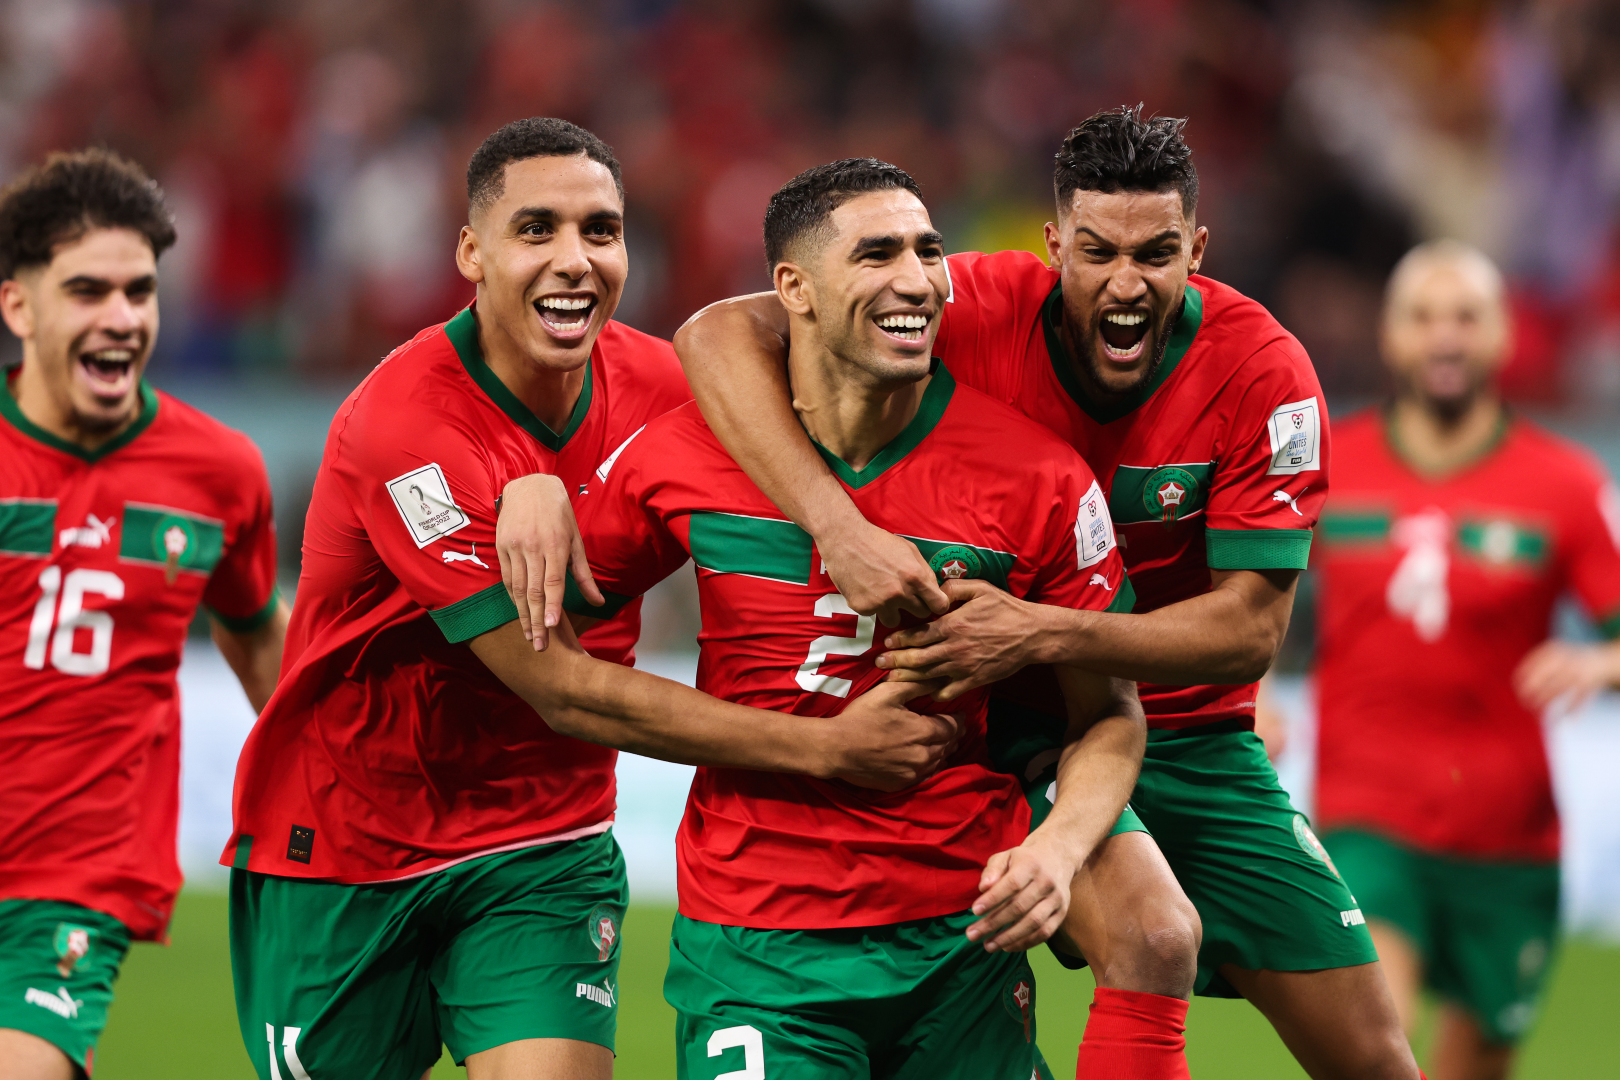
x,y
905,329
1124,334
109,373
566,317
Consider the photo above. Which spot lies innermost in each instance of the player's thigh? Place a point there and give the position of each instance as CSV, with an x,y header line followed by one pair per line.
x,y
332,980
1494,941
1266,891
1339,1023
1129,917
530,948
542,1059
977,1023
58,962
1400,907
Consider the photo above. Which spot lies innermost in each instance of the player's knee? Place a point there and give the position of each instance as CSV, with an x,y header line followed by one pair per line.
x,y
1170,951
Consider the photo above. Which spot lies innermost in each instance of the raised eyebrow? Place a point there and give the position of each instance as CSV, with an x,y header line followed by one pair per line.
x,y
526,214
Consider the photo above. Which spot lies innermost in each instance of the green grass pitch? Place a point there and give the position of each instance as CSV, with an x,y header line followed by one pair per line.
x,y
174,1016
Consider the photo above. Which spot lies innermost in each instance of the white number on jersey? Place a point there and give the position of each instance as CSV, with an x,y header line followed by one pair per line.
x,y
747,1037
69,617
832,645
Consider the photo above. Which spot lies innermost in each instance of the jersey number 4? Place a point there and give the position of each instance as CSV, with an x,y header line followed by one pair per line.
x,y
69,618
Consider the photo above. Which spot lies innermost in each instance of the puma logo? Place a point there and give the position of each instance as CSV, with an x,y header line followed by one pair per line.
x,y
456,556
1098,579
1291,500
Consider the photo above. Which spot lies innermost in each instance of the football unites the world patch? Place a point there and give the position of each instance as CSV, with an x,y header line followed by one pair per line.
x,y
1169,492
603,926
1295,434
954,562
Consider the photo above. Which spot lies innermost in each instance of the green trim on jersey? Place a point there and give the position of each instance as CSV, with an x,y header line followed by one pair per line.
x,y
1398,449
1257,549
752,546
1129,498
249,623
1064,365
477,614
148,529
574,601
1610,627
1363,527
1501,542
463,334
27,526
1124,601
934,400
13,412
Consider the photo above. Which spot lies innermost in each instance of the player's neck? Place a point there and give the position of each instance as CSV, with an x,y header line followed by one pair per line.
x,y
548,393
1436,442
852,418
50,409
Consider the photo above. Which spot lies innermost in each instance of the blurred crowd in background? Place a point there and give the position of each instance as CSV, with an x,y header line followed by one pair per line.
x,y
314,152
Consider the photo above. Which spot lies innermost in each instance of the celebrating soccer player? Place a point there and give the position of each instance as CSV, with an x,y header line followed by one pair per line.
x,y
417,855
1452,530
823,930
1204,421
121,510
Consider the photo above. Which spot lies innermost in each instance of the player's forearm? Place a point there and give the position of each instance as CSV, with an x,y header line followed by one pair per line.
x,y
735,357
255,656
1096,775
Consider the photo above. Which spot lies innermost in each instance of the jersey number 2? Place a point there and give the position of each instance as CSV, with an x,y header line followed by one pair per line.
x,y
833,645
70,617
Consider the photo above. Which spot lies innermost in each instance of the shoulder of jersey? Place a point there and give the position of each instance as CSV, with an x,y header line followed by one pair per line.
x,y
985,273
1551,455
1000,428
678,439
648,362
1235,327
218,440
412,376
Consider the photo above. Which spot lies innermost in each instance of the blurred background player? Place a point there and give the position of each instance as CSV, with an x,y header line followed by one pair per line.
x,y
1453,528
121,511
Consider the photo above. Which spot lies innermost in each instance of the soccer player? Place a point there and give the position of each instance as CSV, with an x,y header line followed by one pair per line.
x,y
417,855
1204,421
121,510
1453,528
824,931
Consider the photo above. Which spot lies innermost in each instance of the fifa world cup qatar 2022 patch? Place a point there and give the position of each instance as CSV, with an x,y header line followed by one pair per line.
x,y
1295,433
423,499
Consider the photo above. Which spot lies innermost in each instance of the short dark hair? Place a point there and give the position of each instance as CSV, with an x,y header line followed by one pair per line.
x,y
803,204
70,193
1117,150
535,136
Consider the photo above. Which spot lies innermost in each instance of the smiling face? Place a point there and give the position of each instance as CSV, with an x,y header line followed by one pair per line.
x,y
87,320
549,259
875,288
1445,329
1124,258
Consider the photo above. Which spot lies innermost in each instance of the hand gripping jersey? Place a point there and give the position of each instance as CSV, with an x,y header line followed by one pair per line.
x,y
104,557
389,750
1432,591
983,493
1220,462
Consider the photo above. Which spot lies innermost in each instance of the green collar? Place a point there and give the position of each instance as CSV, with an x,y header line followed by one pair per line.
x,y
1181,339
934,399
1398,449
13,412
463,334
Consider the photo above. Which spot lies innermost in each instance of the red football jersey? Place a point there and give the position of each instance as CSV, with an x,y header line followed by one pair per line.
x,y
1220,462
389,750
1432,591
983,493
105,557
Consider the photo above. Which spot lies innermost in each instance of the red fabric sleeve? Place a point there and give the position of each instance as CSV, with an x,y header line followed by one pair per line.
x,y
1271,479
1080,565
241,591
627,539
1592,555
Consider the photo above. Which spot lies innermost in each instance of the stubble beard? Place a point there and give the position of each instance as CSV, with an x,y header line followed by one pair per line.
x,y
1094,364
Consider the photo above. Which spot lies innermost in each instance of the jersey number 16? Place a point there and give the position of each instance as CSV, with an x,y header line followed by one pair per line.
x,y
72,617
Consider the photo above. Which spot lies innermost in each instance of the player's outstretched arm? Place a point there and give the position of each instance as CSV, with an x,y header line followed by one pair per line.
x,y
875,742
255,655
538,544
735,357
1025,891
1228,636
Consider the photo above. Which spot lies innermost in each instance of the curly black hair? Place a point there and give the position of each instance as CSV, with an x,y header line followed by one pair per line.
x,y
801,207
70,193
535,136
1119,150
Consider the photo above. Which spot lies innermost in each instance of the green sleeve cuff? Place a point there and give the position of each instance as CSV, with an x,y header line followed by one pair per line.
x,y
1124,598
249,623
1257,549
574,601
1610,627
478,614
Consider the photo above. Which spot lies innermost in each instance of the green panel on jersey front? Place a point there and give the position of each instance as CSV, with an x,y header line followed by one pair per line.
x,y
1503,543
994,566
758,547
1368,527
152,534
27,526
1148,493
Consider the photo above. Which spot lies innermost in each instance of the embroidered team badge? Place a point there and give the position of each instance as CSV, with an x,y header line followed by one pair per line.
x,y
603,925
954,562
1018,998
72,945
1311,845
1169,492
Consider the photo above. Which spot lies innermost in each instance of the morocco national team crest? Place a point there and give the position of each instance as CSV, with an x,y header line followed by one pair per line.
x,y
171,539
1018,998
955,561
72,945
603,925
1169,493
1307,841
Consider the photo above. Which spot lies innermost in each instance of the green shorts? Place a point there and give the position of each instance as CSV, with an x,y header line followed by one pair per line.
x,y
1485,931
1267,894
364,981
911,1001
58,962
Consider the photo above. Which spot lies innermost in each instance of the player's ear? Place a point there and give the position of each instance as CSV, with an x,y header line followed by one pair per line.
x,y
1054,245
1199,241
468,258
17,311
793,288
